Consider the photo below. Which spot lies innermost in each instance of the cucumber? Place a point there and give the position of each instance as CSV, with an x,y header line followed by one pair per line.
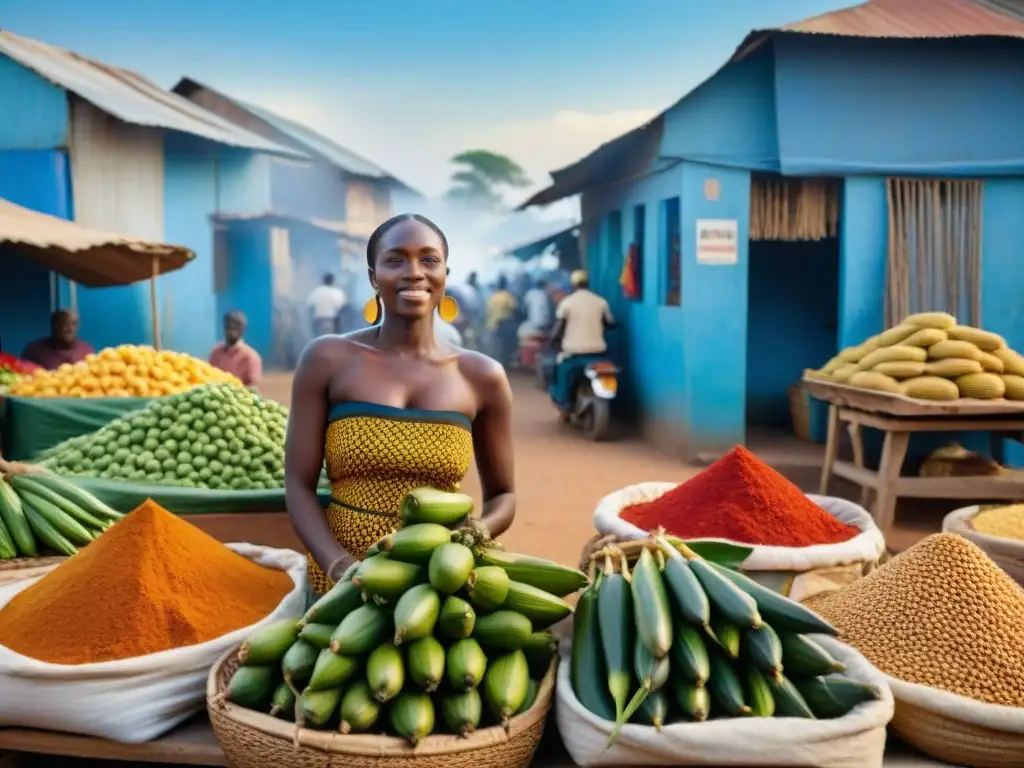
x,y
587,667
47,534
12,514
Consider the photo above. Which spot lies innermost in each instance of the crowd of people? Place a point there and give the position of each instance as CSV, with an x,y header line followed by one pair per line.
x,y
499,319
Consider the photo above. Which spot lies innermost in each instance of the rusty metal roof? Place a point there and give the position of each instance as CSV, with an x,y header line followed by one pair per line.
x,y
311,141
905,19
87,256
129,96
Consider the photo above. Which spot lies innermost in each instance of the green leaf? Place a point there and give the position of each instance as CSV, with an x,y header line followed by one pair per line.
x,y
728,554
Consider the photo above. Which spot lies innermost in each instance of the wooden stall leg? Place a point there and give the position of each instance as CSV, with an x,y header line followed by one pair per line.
x,y
894,452
997,447
831,449
857,442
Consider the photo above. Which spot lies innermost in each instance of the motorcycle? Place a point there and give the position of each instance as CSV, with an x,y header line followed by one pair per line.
x,y
593,385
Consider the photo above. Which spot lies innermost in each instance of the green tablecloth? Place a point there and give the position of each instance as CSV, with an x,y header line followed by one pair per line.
x,y
31,425
125,497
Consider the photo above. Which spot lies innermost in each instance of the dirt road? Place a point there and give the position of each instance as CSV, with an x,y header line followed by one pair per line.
x,y
560,476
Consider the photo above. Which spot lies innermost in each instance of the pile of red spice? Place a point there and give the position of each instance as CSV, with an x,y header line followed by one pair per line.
x,y
742,499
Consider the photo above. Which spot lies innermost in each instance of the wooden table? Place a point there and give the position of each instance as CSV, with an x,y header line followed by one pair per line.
x,y
194,744
899,417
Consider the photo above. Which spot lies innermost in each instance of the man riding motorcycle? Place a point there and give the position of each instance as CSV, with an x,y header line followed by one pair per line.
x,y
580,322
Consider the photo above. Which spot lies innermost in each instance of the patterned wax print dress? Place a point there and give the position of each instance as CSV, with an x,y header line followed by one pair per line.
x,y
375,455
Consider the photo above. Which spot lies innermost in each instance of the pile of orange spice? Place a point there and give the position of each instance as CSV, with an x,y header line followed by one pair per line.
x,y
152,582
742,499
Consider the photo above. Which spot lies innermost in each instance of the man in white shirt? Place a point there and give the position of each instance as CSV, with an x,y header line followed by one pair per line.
x,y
326,302
581,320
538,311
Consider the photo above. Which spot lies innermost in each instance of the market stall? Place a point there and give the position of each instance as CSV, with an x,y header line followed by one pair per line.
x,y
927,374
90,258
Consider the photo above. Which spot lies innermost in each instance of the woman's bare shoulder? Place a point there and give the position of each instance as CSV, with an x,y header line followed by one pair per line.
x,y
335,349
483,373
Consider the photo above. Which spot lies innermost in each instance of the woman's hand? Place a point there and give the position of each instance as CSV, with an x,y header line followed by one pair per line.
x,y
339,569
596,544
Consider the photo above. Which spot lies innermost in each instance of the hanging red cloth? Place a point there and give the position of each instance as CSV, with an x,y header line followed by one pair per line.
x,y
629,279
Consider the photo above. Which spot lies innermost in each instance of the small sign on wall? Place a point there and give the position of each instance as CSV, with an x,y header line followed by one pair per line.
x,y
717,241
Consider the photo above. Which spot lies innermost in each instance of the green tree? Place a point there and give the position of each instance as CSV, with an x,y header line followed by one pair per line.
x,y
480,177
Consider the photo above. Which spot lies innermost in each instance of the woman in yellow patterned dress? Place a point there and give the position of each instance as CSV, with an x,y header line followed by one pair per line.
x,y
393,409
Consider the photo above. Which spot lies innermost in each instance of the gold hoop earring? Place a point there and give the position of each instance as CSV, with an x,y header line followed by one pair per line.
x,y
448,309
372,310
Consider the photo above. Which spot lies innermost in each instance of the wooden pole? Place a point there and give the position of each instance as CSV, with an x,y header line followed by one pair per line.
x,y
153,304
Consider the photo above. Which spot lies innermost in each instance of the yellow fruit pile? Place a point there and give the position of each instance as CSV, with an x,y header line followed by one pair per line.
x,y
930,357
125,371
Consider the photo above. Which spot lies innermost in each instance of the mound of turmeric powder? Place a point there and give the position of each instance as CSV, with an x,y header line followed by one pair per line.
x,y
152,582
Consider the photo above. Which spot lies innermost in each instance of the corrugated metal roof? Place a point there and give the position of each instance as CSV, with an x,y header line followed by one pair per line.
x,y
905,19
129,96
616,160
340,228
312,141
87,256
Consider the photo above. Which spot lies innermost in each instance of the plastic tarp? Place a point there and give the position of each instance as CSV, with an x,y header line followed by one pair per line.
x,y
32,425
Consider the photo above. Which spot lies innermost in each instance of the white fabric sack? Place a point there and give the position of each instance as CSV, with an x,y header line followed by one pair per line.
x,y
132,700
1006,553
856,740
798,572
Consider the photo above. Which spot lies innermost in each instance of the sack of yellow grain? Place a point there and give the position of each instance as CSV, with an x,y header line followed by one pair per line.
x,y
952,367
843,374
896,335
1014,386
925,337
990,362
892,355
950,348
997,529
940,320
930,388
1013,362
981,386
901,369
984,340
876,381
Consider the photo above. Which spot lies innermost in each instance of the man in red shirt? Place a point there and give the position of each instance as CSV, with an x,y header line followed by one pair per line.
x,y
62,346
234,356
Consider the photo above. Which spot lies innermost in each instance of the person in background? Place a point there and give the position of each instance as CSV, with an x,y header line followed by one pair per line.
x,y
501,321
61,346
539,311
581,320
326,302
234,356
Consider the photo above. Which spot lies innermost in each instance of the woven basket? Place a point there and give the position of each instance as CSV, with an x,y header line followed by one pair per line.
x,y
955,741
255,740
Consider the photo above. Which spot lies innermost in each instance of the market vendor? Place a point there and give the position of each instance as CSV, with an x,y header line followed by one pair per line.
x,y
391,410
233,355
61,346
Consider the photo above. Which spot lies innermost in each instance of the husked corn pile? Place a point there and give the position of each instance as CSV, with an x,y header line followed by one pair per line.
x,y
125,371
940,614
929,356
1004,522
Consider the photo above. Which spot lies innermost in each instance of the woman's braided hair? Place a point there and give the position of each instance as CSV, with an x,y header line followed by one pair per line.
x,y
374,241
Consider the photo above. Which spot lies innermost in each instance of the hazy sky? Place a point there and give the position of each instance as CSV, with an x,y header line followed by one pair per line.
x,y
409,83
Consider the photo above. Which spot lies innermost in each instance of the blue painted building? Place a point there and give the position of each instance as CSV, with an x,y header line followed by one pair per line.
x,y
107,148
848,103
316,220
